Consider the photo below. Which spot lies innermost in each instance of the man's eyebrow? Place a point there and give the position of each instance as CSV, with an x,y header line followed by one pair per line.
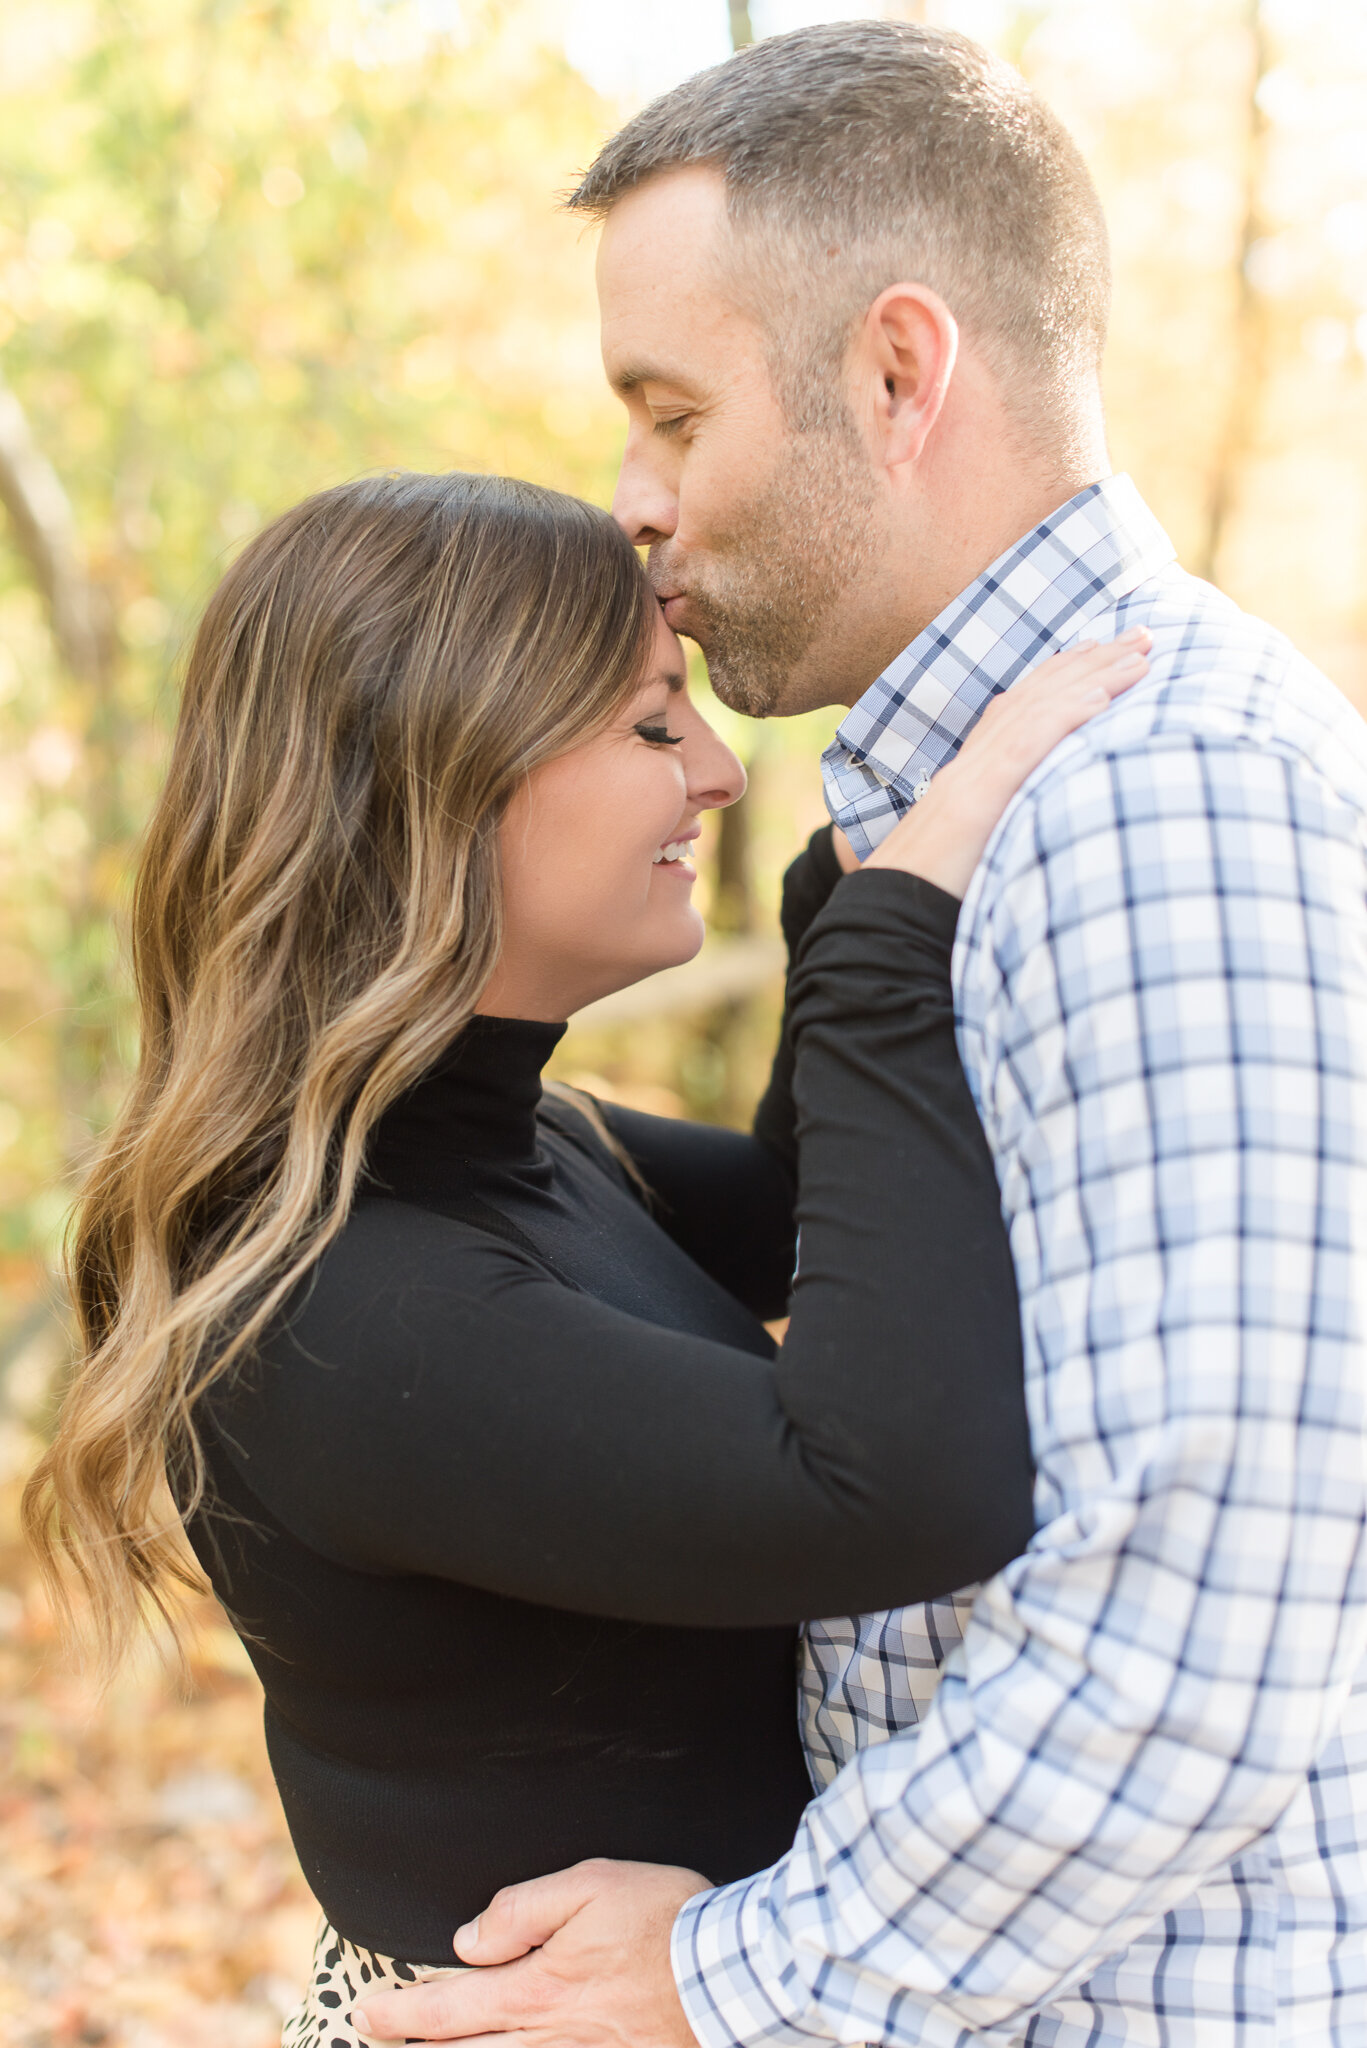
x,y
636,372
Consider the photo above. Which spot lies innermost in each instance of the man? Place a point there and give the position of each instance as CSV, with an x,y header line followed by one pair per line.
x,y
854,288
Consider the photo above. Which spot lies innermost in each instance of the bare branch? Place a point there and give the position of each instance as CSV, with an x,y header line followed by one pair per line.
x,y
45,531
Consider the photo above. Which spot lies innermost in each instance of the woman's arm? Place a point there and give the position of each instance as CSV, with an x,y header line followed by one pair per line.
x,y
440,1405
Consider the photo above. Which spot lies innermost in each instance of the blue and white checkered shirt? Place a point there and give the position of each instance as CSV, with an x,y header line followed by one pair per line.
x,y
1119,1794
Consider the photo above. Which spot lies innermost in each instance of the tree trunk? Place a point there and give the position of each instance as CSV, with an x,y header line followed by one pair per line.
x,y
1239,434
741,30
45,533
733,907
81,622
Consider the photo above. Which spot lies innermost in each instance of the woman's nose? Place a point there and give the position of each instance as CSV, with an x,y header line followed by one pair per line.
x,y
716,776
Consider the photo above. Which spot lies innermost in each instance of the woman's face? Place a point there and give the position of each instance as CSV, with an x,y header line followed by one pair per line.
x,y
596,850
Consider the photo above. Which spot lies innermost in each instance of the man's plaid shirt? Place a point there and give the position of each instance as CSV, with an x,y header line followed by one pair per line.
x,y
1131,1803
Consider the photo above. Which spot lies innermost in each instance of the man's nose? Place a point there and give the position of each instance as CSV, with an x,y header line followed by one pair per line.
x,y
643,505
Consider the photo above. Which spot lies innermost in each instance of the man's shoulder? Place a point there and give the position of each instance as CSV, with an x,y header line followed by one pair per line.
x,y
1218,673
1227,699
1233,735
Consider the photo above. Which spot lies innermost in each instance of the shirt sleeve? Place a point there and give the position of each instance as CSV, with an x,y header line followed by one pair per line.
x,y
1165,1022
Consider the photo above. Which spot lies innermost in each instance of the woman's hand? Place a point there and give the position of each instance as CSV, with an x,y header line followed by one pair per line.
x,y
943,836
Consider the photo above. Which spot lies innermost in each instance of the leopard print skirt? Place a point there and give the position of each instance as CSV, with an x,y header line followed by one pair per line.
x,y
341,1976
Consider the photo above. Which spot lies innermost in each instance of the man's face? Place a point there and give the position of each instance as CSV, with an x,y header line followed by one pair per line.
x,y
758,535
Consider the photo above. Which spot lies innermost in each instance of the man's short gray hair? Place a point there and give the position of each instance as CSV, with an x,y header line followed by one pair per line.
x,y
862,154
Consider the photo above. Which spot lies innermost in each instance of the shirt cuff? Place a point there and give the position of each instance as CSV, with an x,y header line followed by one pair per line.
x,y
730,1971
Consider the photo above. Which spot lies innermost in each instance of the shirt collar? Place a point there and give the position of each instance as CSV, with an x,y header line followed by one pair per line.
x,y
1073,566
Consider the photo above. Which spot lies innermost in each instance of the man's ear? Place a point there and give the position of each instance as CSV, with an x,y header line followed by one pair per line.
x,y
904,357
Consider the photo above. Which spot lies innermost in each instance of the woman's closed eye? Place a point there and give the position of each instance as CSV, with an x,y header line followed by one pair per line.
x,y
659,735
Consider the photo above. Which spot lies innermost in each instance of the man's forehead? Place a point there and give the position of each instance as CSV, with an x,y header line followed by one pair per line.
x,y
689,199
662,283
660,240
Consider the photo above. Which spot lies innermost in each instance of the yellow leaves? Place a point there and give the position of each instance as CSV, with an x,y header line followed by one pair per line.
x,y
50,241
65,835
430,201
430,362
145,622
348,151
569,415
201,194
281,185
36,39
52,754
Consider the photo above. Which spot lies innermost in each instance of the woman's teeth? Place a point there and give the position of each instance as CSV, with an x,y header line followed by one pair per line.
x,y
677,849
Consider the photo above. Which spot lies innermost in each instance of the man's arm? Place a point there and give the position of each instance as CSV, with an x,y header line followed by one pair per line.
x,y
1169,1036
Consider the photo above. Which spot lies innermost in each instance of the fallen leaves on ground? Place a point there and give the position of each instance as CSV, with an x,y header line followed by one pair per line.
x,y
149,1896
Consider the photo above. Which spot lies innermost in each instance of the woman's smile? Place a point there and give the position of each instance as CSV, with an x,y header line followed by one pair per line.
x,y
676,855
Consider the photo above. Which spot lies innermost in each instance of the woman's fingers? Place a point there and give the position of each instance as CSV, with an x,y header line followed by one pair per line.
x,y
844,852
1065,677
1076,664
1026,722
943,838
1088,657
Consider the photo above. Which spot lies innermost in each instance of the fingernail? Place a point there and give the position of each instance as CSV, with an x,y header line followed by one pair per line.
x,y
1085,646
467,1936
360,2019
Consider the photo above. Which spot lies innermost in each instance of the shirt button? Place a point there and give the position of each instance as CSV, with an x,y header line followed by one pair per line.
x,y
922,789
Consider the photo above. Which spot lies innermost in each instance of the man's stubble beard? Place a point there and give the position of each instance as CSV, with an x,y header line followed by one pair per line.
x,y
769,585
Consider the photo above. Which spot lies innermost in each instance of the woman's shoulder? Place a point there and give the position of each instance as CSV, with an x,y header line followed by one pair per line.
x,y
577,1120
389,1246
393,1269
399,1289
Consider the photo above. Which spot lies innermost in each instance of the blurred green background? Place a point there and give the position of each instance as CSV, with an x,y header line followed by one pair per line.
x,y
249,248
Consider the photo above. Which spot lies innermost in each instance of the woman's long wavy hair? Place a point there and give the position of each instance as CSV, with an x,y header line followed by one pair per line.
x,y
317,911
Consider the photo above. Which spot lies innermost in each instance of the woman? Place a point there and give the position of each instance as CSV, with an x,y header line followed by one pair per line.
x,y
463,1393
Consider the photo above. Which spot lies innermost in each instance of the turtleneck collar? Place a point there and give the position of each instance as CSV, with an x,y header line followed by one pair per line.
x,y
477,1104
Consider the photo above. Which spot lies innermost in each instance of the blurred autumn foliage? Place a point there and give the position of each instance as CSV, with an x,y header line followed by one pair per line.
x,y
251,247
149,1896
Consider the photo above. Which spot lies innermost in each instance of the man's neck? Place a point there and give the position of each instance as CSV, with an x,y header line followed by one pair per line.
x,y
971,531
983,484
985,532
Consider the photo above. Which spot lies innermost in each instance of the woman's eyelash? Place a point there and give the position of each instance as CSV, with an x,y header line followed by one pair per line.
x,y
659,735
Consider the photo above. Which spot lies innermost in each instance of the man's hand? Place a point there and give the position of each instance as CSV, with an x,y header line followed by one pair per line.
x,y
581,1961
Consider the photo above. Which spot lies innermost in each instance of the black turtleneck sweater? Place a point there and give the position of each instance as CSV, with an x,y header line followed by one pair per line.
x,y
517,1508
